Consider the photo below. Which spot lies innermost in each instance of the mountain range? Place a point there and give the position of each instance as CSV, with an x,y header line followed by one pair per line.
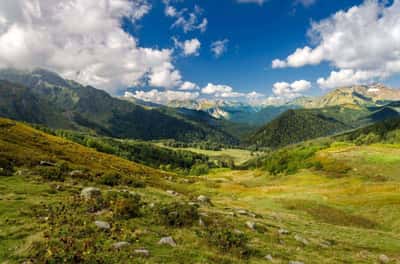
x,y
43,97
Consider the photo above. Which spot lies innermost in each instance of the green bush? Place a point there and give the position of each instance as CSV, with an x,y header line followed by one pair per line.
x,y
199,169
6,167
177,214
128,207
110,179
51,173
226,239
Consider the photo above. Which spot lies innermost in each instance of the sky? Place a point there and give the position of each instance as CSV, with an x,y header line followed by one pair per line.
x,y
255,51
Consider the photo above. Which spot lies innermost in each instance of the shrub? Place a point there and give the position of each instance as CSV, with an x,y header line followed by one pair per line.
x,y
199,169
110,179
128,207
6,167
51,173
177,214
226,239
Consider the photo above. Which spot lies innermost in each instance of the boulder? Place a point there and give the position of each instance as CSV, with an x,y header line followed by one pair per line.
x,y
167,241
203,199
295,262
269,257
283,231
102,225
173,193
121,244
383,259
301,240
251,225
142,252
90,193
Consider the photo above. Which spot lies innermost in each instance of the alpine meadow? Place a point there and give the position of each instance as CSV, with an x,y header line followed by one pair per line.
x,y
188,131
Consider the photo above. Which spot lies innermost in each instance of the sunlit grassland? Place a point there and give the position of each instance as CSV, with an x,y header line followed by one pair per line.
x,y
360,210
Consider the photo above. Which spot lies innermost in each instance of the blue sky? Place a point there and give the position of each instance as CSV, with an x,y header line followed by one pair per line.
x,y
258,51
257,34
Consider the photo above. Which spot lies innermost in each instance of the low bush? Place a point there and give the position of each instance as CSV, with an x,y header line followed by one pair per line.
x,y
199,169
127,207
110,179
227,239
177,214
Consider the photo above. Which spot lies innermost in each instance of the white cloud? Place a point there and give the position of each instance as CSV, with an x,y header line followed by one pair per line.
x,y
163,97
346,78
287,91
185,19
189,47
227,92
219,47
188,86
83,41
362,42
260,2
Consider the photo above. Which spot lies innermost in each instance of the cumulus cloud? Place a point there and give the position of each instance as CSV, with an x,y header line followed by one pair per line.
x,y
219,47
83,41
362,42
185,19
227,92
189,47
288,91
162,97
189,86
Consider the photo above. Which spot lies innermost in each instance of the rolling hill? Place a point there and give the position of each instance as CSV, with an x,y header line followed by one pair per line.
x,y
295,126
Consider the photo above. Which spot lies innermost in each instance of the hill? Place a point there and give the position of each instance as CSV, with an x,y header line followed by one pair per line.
x,y
295,126
60,103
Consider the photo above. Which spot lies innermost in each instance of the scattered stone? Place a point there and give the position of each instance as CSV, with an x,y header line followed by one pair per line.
x,y
251,225
203,199
167,241
383,259
242,212
121,244
102,225
295,262
201,222
301,240
237,231
173,193
283,231
143,252
76,173
269,257
47,163
90,193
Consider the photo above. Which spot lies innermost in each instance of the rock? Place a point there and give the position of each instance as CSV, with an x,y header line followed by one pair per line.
x,y
102,225
242,212
90,193
47,163
283,231
203,199
167,241
383,259
121,244
76,173
295,262
201,222
251,225
301,240
173,193
143,252
269,257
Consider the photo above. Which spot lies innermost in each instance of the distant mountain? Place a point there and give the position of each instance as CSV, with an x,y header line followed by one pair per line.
x,y
295,126
352,96
43,97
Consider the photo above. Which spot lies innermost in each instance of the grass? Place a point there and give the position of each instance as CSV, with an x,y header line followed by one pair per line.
x,y
348,219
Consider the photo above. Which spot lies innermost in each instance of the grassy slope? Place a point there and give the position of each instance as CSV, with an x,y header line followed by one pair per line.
x,y
358,212
347,218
